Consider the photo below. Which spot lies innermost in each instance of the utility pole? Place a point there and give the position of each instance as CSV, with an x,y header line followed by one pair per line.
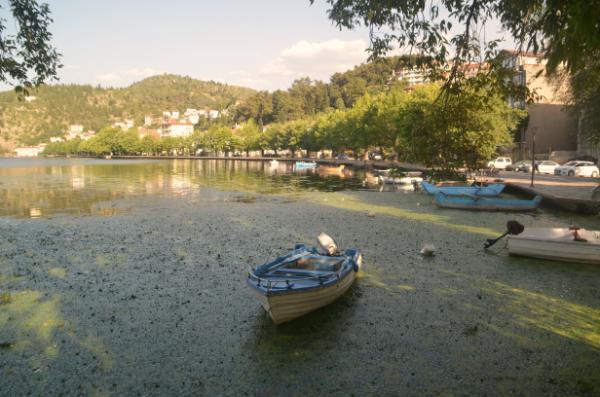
x,y
532,155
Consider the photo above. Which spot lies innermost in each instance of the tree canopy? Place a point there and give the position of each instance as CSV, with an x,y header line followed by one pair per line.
x,y
27,57
564,31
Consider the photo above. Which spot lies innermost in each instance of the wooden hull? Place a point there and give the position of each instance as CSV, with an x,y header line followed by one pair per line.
x,y
288,306
556,244
324,170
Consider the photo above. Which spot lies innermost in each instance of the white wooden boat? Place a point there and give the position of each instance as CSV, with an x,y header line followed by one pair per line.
x,y
557,244
403,180
302,281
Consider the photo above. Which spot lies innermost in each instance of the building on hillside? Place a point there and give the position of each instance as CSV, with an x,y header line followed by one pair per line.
x,y
124,125
54,139
176,128
87,135
74,131
29,151
151,132
193,115
148,120
412,76
213,114
555,129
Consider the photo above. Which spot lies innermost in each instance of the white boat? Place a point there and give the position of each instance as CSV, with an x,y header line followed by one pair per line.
x,y
404,180
558,244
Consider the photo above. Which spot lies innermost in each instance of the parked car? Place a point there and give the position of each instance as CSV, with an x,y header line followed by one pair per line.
x,y
342,156
375,156
546,166
499,163
578,168
523,165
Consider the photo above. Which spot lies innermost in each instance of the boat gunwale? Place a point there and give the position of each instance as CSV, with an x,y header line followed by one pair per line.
x,y
322,279
550,240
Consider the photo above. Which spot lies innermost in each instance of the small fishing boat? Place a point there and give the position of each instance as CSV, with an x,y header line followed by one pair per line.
x,y
477,203
559,244
305,165
400,180
330,170
481,191
303,280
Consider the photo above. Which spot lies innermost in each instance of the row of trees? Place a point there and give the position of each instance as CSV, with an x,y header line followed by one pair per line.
x,y
306,97
443,132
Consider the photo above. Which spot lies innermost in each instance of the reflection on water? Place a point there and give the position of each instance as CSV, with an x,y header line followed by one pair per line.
x,y
35,188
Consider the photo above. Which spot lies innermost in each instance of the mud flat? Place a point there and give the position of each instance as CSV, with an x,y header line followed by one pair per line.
x,y
151,300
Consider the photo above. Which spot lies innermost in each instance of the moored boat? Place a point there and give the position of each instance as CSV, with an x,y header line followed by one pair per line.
x,y
559,244
302,281
476,203
400,180
330,170
482,191
305,165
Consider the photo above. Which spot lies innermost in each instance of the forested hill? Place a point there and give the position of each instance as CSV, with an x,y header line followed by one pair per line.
x,y
57,106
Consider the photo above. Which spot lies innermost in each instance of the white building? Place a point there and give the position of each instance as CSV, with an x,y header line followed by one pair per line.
x,y
148,120
124,125
193,118
74,131
178,129
56,139
412,76
29,151
213,114
87,135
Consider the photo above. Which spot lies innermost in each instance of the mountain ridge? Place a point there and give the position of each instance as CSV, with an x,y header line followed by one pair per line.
x,y
57,106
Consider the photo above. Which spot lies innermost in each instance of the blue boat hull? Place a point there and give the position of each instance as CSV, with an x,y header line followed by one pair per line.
x,y
481,191
474,203
303,165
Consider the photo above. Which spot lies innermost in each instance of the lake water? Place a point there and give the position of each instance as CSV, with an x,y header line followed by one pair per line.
x,y
122,278
45,187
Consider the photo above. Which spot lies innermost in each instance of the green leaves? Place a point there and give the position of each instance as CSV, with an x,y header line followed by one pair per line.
x,y
27,58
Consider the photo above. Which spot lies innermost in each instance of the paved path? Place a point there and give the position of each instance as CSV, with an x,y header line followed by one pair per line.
x,y
566,187
568,193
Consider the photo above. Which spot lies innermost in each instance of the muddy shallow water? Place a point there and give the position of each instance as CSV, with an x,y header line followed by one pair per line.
x,y
130,280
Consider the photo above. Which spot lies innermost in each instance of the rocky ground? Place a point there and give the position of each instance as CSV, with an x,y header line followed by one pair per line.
x,y
152,301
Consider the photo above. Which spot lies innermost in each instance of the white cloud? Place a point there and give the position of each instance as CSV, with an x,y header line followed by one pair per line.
x,y
330,48
143,72
108,77
318,60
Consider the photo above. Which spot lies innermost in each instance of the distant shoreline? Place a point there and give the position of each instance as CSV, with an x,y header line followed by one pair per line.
x,y
353,163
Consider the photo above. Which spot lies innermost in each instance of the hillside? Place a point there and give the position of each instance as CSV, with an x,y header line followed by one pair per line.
x,y
58,106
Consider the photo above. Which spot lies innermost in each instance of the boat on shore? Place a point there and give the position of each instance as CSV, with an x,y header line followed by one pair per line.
x,y
400,180
481,191
477,203
557,244
302,281
305,165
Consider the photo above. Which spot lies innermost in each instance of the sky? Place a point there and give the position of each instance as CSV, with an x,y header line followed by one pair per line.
x,y
262,44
